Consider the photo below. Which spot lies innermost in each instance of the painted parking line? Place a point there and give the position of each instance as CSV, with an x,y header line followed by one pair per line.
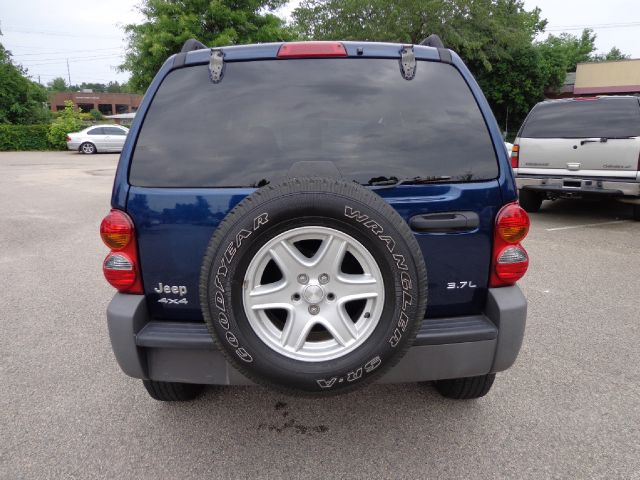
x,y
571,227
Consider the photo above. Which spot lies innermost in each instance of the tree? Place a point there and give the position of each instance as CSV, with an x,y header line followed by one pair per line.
x,y
494,37
58,84
613,54
169,23
22,101
114,87
561,54
572,49
68,121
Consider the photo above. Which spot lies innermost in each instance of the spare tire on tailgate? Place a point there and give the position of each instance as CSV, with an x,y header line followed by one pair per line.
x,y
313,286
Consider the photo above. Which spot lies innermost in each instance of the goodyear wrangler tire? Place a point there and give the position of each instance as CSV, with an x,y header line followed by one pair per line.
x,y
313,286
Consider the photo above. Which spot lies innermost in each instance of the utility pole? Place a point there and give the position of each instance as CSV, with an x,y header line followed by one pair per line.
x,y
68,72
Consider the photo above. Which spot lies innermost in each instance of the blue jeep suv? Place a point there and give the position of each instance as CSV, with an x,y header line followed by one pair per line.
x,y
313,217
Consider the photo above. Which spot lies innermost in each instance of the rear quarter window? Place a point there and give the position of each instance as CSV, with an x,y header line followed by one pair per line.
x,y
265,116
603,117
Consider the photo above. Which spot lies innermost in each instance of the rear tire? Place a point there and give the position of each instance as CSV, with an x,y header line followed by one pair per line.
x,y
466,388
172,391
636,213
88,148
530,201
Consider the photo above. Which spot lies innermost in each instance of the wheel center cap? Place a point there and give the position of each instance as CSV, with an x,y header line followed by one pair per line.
x,y
313,293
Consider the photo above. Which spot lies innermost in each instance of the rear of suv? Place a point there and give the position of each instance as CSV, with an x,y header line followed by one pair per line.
x,y
582,147
314,217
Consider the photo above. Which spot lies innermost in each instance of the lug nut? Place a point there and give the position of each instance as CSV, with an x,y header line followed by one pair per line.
x,y
314,309
303,279
323,279
295,297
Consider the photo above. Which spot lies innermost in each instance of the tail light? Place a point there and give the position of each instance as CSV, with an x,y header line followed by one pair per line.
x,y
68,139
515,156
510,259
311,49
121,266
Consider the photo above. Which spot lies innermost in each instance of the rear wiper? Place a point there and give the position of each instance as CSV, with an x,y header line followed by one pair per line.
x,y
384,182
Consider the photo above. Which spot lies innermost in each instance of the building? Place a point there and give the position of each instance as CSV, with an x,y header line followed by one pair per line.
x,y
620,77
106,103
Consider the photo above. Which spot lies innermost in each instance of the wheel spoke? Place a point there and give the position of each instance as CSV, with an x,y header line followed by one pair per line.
x,y
330,254
356,287
340,326
295,331
288,258
273,295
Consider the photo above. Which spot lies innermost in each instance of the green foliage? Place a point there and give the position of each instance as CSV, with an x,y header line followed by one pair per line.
x,y
58,84
67,121
168,24
569,49
613,54
21,100
24,137
96,115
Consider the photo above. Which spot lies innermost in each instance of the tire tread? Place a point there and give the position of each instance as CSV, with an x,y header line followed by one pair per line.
x,y
466,388
172,391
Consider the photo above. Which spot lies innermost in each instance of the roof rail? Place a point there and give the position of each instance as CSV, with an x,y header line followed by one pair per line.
x,y
432,41
192,44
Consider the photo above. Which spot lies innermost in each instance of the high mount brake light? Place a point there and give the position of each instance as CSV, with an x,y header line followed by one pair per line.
x,y
120,267
515,156
312,50
510,259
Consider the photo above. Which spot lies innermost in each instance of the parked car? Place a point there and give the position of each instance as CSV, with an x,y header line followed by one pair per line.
x,y
509,147
582,147
99,138
278,226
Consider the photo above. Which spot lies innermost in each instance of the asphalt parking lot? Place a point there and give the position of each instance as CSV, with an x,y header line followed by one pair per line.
x,y
569,408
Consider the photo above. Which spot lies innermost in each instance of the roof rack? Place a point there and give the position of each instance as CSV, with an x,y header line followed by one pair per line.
x,y
432,41
191,45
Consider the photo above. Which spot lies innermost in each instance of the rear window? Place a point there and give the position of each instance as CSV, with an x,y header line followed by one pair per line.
x,y
265,116
604,117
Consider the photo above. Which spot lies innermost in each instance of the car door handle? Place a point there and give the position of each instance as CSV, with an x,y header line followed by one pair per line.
x,y
593,140
445,222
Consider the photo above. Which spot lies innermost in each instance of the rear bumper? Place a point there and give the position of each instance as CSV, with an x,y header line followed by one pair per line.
x,y
73,145
444,348
570,186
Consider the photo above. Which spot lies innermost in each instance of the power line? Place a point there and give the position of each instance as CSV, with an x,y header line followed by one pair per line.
x,y
63,60
58,34
594,26
65,52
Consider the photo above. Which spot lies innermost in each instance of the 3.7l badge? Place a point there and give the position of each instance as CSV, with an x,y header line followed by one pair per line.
x,y
460,285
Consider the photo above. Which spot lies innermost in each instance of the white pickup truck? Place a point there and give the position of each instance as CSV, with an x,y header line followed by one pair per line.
x,y
579,147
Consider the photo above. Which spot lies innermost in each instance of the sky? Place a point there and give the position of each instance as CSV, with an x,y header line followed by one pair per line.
x,y
43,34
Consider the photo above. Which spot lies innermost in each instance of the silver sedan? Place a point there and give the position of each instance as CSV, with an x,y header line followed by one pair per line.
x,y
99,138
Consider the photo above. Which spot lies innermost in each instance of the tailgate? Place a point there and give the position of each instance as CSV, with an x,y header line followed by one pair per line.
x,y
580,156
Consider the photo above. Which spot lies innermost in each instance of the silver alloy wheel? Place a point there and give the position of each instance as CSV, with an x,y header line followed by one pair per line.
x,y
88,148
314,298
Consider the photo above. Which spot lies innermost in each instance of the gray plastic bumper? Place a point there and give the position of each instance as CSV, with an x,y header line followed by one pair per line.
x,y
444,348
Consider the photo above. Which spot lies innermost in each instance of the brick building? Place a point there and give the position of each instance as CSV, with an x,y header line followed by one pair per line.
x,y
106,103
